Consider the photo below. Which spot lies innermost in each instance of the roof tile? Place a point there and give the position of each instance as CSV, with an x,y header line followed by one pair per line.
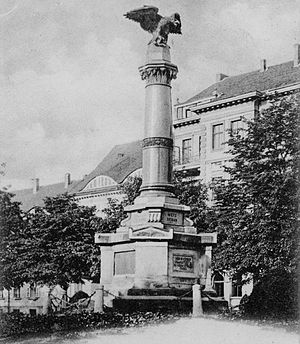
x,y
275,76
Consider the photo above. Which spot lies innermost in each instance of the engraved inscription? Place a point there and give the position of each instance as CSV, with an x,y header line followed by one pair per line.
x,y
172,218
206,239
183,263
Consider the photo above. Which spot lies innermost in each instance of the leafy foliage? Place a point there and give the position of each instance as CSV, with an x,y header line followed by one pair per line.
x,y
273,296
194,194
258,207
58,243
16,324
114,212
131,188
11,227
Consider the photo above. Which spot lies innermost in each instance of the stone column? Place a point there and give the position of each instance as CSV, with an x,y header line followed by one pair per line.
x,y
197,301
158,73
208,282
99,296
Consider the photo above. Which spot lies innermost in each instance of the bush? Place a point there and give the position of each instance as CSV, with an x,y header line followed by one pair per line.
x,y
275,296
17,324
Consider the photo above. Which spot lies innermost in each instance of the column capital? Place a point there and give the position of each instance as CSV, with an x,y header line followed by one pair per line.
x,y
158,73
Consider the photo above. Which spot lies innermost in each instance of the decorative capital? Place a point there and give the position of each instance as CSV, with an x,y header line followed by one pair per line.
x,y
158,73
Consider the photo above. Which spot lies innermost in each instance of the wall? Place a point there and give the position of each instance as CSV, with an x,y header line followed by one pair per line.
x,y
203,154
98,199
39,302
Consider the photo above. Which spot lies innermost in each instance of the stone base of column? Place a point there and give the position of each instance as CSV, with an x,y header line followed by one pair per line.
x,y
150,263
156,246
153,215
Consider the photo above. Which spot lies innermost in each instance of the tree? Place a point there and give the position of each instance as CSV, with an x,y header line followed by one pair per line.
x,y
257,209
114,212
58,243
11,228
131,188
193,193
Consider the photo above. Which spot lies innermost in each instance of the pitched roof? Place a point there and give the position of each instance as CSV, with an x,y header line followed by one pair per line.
x,y
30,200
274,77
121,161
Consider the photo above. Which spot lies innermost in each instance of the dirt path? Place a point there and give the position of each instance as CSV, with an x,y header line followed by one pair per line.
x,y
183,331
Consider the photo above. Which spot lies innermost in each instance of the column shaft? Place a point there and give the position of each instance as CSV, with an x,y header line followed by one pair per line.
x,y
158,143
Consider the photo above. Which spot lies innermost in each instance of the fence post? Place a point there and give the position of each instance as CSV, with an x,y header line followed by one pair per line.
x,y
197,301
99,299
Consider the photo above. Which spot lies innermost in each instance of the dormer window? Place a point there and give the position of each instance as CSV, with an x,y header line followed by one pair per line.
x,y
99,182
179,113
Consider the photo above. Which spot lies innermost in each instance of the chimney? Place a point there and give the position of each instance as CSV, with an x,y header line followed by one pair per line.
x,y
263,65
67,180
35,185
296,55
220,77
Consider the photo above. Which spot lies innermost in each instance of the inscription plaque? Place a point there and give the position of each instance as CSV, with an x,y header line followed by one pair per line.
x,y
206,239
172,218
183,263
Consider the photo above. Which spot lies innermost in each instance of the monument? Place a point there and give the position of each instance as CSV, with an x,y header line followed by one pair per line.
x,y
156,251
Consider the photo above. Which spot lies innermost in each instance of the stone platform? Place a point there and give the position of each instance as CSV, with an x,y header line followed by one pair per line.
x,y
155,249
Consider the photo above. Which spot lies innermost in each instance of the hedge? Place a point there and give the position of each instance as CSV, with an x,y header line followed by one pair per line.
x,y
15,324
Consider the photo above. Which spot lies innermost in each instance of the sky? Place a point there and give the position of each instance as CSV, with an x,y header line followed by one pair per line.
x,y
69,83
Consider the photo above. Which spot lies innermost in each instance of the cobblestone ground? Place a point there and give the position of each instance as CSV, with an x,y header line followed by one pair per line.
x,y
188,330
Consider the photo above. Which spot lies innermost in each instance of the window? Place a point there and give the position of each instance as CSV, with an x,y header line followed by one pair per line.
x,y
179,113
188,113
16,311
219,284
186,151
99,181
217,136
235,126
124,263
17,293
1,293
32,292
236,290
32,312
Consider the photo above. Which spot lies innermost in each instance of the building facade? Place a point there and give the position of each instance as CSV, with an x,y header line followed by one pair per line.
x,y
203,123
34,299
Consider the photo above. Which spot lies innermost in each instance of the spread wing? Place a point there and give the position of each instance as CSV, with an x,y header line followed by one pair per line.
x,y
147,16
175,24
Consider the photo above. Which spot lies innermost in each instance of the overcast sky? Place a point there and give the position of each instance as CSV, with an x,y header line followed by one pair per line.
x,y
70,88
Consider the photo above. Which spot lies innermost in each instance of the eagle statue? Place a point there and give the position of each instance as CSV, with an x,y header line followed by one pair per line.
x,y
159,26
